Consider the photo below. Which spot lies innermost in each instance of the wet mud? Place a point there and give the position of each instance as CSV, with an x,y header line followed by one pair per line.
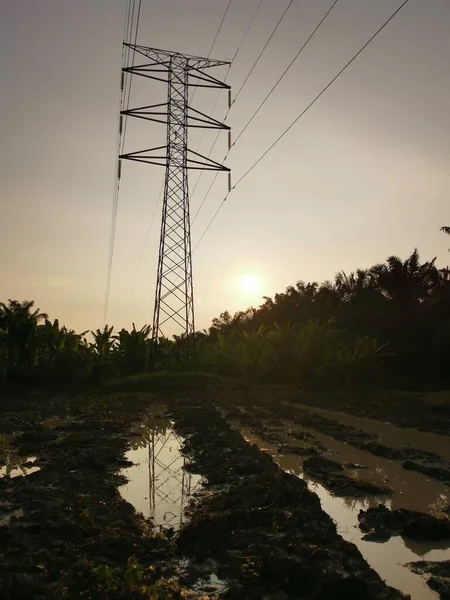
x,y
438,576
263,527
422,461
371,469
424,411
329,472
252,531
383,523
70,511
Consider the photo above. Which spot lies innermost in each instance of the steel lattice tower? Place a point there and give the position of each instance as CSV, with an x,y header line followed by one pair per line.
x,y
174,296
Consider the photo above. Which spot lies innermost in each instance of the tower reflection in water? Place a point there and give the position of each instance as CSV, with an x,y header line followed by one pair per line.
x,y
159,486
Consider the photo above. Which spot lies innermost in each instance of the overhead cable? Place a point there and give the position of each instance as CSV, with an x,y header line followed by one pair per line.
x,y
228,110
262,51
320,94
126,39
286,70
301,115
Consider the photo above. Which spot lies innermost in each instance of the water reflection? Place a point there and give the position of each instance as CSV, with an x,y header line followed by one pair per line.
x,y
14,465
413,490
390,435
158,485
388,558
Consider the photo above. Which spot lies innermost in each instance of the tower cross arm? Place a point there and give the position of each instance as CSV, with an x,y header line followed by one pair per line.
x,y
164,57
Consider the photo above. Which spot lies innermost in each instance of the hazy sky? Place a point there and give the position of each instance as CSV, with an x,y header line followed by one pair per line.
x,y
365,174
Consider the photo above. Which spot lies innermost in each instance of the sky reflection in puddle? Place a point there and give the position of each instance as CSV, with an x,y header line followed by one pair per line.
x,y
14,465
158,486
388,558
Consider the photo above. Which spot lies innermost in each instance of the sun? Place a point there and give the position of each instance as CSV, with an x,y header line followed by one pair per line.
x,y
250,284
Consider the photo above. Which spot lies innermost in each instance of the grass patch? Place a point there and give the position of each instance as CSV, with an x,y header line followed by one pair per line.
x,y
167,381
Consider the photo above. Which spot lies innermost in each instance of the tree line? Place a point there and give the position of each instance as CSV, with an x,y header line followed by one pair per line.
x,y
390,322
394,316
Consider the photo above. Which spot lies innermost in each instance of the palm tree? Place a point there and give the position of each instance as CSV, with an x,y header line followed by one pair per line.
x,y
16,311
19,322
54,341
407,282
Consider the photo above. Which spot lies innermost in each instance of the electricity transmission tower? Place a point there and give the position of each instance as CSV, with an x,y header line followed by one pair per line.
x,y
174,296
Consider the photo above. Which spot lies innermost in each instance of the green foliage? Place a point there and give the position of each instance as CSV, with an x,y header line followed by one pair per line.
x,y
282,350
136,582
337,331
333,333
133,350
317,345
316,351
35,349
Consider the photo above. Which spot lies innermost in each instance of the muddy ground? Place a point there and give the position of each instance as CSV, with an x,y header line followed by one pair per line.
x,y
381,522
67,533
424,411
305,430
438,576
71,509
267,417
264,526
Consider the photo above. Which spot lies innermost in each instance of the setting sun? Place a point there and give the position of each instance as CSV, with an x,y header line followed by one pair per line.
x,y
250,284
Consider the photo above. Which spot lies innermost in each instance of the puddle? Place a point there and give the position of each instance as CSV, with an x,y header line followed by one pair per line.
x,y
434,495
158,485
210,584
389,435
12,464
388,558
19,467
206,582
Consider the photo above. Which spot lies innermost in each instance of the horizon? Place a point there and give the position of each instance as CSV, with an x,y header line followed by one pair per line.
x,y
374,148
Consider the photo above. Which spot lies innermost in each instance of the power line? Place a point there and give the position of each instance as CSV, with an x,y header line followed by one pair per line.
x,y
147,238
301,115
211,222
228,110
266,98
220,27
126,38
160,193
207,194
287,69
262,51
115,204
247,30
215,39
130,76
320,94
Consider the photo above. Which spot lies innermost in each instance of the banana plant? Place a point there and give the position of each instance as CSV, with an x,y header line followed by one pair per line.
x,y
282,343
133,349
20,322
318,343
103,342
222,353
253,349
358,361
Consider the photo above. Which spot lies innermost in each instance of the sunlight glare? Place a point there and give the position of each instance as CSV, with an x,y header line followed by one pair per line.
x,y
250,284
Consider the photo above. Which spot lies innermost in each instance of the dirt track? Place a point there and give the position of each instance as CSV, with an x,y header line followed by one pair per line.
x,y
264,529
